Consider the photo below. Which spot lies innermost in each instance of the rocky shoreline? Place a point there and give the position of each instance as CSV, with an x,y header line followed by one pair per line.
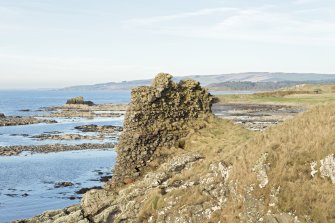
x,y
102,132
19,120
256,117
85,111
177,162
16,150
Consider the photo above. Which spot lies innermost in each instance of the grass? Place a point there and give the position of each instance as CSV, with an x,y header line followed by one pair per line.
x,y
296,98
291,147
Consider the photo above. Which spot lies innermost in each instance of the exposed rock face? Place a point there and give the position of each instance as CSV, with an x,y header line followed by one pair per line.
x,y
159,116
2,115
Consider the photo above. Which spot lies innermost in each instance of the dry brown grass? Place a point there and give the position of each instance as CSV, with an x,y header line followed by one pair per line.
x,y
291,147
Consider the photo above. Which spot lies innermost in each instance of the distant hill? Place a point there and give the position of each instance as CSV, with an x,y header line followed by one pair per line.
x,y
234,81
261,86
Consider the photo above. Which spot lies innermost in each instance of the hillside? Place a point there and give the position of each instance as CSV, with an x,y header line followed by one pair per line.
x,y
223,81
206,169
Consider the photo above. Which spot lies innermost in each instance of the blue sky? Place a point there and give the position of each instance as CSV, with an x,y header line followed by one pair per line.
x,y
47,43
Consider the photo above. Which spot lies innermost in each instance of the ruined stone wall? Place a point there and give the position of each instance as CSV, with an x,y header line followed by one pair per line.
x,y
158,116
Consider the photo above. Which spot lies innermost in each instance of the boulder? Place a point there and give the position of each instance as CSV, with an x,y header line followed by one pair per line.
x,y
2,115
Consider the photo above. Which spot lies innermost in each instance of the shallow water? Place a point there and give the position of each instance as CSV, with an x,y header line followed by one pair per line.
x,y
13,101
27,181
20,135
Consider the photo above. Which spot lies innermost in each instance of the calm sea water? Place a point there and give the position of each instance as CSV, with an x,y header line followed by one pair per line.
x,y
27,181
13,101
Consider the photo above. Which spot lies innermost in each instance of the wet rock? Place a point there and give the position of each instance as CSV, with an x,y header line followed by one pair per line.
x,y
105,178
63,184
12,195
24,110
73,198
84,190
2,115
24,135
16,150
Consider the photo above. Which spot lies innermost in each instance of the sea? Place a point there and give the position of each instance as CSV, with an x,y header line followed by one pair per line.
x,y
27,181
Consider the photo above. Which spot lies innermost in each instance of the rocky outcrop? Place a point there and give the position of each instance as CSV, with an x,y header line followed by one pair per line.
x,y
18,120
49,148
99,128
85,111
79,101
2,115
158,116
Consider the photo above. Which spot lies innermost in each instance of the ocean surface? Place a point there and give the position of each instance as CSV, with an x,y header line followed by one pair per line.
x,y
11,102
27,181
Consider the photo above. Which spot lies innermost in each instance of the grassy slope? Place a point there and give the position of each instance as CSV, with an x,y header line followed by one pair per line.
x,y
290,146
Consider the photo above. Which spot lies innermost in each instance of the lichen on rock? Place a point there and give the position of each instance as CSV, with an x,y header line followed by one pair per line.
x,y
327,168
260,169
158,116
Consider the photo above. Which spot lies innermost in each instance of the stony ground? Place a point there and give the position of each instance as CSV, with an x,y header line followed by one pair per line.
x,y
86,111
256,117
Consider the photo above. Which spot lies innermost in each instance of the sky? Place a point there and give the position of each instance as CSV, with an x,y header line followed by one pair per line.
x,y
49,44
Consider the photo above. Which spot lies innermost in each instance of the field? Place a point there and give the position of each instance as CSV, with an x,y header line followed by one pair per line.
x,y
301,95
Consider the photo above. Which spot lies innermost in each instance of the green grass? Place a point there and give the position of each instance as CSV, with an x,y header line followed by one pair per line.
x,y
294,99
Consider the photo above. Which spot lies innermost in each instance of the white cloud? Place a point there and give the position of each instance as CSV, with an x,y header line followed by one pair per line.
x,y
266,24
184,15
